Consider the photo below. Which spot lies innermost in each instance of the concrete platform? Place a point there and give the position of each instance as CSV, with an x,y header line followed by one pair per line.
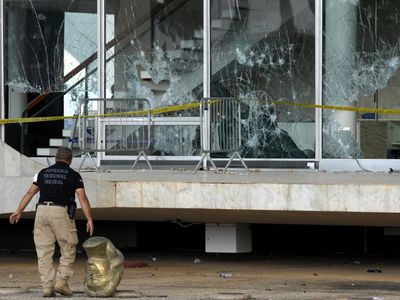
x,y
258,196
263,196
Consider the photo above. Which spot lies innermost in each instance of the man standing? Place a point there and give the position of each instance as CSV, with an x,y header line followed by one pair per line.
x,y
54,220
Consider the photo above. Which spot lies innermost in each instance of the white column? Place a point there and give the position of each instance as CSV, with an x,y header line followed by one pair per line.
x,y
206,48
101,73
340,45
318,78
206,75
206,72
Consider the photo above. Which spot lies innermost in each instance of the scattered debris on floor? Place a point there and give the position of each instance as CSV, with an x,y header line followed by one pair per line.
x,y
224,274
374,271
134,265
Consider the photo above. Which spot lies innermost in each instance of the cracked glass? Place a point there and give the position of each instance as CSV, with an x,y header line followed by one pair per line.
x,y
154,51
361,70
262,53
50,61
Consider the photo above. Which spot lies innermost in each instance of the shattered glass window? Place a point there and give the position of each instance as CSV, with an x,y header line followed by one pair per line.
x,y
50,50
154,50
361,70
262,53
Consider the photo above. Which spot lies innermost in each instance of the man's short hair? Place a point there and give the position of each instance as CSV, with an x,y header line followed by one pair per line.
x,y
64,153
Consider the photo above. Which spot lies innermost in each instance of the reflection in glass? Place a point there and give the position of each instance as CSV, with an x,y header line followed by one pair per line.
x,y
155,51
46,44
166,140
263,53
122,137
50,63
361,62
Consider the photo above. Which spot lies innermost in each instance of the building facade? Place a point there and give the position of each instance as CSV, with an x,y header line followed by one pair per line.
x,y
308,83
280,59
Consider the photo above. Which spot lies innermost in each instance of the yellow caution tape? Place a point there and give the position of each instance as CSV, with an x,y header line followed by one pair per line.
x,y
155,111
163,110
175,108
346,108
35,119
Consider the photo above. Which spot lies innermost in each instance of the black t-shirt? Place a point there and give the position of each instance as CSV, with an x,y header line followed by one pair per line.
x,y
58,183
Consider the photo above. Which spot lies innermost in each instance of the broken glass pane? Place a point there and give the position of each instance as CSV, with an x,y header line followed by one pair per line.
x,y
361,63
50,50
263,53
155,51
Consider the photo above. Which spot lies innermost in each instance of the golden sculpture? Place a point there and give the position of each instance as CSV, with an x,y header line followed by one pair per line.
x,y
104,267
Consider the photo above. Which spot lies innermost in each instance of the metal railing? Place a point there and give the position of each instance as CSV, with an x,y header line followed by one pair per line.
x,y
220,130
123,127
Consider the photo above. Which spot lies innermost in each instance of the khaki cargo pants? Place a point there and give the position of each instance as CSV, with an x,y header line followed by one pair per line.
x,y
52,224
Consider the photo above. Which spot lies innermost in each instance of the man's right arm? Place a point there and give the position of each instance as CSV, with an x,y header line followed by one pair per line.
x,y
14,218
87,211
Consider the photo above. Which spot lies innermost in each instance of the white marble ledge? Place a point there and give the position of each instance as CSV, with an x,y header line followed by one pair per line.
x,y
279,197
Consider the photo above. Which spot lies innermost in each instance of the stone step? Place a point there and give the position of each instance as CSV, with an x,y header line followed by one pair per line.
x,y
144,75
66,132
174,54
229,13
198,33
52,151
59,142
62,142
187,44
46,151
163,86
220,24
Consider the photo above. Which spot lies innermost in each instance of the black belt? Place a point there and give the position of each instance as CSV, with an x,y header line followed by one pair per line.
x,y
50,203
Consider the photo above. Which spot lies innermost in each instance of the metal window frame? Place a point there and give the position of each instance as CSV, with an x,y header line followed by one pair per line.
x,y
2,100
206,67
318,77
101,65
207,76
